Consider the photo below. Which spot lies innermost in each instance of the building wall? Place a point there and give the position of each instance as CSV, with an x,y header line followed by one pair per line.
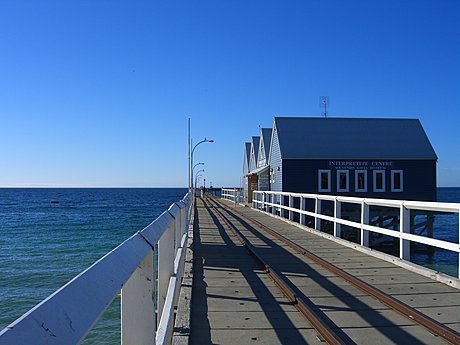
x,y
276,164
419,177
261,156
264,180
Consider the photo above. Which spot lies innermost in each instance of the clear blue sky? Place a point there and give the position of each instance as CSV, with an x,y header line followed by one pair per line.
x,y
98,92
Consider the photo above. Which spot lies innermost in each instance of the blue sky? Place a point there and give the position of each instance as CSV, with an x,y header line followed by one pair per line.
x,y
98,92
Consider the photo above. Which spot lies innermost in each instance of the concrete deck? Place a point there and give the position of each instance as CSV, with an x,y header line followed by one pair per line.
x,y
234,302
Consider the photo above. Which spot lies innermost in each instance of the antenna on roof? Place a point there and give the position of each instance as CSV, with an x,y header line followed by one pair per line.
x,y
324,104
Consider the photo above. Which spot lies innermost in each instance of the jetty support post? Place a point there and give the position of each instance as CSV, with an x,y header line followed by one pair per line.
x,y
165,265
337,215
282,205
404,227
138,323
302,208
364,221
317,211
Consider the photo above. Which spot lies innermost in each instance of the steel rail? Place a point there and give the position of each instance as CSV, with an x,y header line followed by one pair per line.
x,y
432,325
298,301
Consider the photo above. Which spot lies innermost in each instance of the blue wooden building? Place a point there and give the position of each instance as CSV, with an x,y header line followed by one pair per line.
x,y
257,176
365,157
247,156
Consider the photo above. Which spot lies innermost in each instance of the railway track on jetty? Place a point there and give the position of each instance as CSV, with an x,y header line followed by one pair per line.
x,y
276,253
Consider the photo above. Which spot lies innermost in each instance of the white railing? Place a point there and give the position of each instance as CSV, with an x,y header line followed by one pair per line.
x,y
67,316
232,194
278,203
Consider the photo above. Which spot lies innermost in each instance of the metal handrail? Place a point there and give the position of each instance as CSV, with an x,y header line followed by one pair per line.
x,y
275,202
232,194
67,316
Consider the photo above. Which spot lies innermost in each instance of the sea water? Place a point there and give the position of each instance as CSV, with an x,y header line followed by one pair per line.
x,y
48,236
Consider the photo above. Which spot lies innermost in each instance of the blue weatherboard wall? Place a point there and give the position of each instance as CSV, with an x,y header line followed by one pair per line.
x,y
419,182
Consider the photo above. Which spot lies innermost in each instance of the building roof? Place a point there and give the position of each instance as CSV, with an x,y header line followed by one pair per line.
x,y
247,152
255,145
266,134
352,138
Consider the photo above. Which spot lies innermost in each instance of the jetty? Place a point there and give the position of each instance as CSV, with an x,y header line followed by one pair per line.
x,y
217,270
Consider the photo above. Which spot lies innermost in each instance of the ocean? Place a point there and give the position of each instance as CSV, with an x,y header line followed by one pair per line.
x,y
47,236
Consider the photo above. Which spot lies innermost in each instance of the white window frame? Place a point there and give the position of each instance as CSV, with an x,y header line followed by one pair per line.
x,y
356,181
328,172
375,172
393,189
347,173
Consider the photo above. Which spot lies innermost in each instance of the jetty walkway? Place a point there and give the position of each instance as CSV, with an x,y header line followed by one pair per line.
x,y
259,279
211,271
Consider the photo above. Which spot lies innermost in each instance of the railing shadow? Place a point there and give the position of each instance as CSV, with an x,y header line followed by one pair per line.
x,y
366,312
271,307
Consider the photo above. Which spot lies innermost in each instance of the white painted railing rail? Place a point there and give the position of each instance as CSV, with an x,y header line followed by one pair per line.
x,y
68,315
274,202
232,194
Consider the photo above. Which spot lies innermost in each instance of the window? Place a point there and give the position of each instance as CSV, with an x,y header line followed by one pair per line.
x,y
396,180
342,181
272,176
379,180
324,180
361,181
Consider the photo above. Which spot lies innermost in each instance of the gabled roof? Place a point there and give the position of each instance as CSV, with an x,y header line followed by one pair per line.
x,y
247,152
266,135
352,138
255,147
247,156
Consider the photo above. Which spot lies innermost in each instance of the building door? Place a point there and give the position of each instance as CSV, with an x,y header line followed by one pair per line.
x,y
253,183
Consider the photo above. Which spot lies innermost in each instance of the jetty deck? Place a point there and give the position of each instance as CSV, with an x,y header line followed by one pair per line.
x,y
236,301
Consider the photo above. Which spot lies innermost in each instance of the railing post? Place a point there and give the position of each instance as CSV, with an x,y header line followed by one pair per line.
x,y
138,324
302,208
166,256
281,206
337,214
317,211
404,227
263,201
291,205
183,219
273,201
459,242
364,220
177,230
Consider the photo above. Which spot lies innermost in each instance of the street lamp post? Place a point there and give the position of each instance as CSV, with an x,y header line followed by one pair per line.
x,y
191,156
196,177
196,166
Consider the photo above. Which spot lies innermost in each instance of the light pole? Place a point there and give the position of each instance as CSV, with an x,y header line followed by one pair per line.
x,y
191,156
197,179
196,176
196,166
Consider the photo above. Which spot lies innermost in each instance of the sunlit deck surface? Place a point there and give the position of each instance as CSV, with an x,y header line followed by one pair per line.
x,y
235,302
